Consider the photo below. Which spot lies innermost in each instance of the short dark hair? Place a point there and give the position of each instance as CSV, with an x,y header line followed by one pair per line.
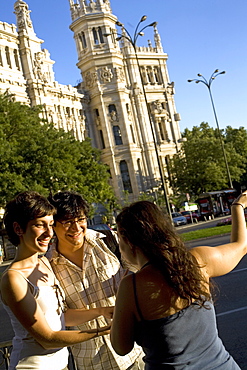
x,y
25,207
69,204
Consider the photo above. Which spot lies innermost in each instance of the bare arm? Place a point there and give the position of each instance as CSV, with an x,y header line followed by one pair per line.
x,y
222,259
122,331
75,317
17,296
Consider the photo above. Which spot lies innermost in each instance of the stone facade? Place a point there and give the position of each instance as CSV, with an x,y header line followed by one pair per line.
x,y
125,103
137,131
26,71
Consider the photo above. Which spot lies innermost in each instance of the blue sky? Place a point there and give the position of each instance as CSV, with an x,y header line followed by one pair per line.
x,y
198,36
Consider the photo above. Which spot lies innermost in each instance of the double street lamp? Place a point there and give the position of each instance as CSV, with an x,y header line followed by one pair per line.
x,y
133,40
208,84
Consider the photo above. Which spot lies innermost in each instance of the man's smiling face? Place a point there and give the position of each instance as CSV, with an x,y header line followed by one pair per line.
x,y
71,231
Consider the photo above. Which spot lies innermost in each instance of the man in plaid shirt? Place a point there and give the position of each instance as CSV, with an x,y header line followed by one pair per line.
x,y
89,274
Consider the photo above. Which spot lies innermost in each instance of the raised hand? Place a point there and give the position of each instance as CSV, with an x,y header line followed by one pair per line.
x,y
241,200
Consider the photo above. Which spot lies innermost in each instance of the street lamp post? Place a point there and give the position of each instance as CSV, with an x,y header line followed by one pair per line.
x,y
133,41
208,84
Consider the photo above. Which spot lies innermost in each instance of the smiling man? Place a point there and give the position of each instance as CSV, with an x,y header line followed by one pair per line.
x,y
88,272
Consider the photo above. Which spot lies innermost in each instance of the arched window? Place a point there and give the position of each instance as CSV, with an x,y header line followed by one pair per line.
x,y
16,60
102,141
1,60
98,36
112,107
132,133
117,135
82,38
113,112
149,75
144,75
156,73
95,37
163,130
8,56
125,176
68,111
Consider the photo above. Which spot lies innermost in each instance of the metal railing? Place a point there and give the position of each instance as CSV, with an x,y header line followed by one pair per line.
x,y
5,350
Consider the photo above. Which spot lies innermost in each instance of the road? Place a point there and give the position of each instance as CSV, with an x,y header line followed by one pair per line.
x,y
230,304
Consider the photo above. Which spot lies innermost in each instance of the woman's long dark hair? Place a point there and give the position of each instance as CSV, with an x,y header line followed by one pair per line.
x,y
144,225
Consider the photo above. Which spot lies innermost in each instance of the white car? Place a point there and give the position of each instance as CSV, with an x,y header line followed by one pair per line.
x,y
178,219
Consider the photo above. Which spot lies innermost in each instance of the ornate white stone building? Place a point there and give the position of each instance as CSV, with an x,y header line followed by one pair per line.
x,y
124,121
136,130
26,71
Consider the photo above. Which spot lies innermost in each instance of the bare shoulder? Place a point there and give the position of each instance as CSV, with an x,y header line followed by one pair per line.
x,y
201,253
13,287
126,282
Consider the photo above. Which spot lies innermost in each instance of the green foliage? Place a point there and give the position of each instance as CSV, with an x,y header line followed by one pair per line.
x,y
200,166
36,156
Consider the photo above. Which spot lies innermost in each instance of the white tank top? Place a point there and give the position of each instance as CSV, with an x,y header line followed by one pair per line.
x,y
27,353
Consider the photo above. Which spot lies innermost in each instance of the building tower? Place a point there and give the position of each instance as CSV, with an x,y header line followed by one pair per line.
x,y
117,113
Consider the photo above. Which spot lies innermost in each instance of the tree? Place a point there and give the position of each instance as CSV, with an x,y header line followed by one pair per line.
x,y
200,166
36,156
238,138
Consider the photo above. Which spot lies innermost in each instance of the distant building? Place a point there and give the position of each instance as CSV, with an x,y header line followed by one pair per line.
x,y
109,105
27,72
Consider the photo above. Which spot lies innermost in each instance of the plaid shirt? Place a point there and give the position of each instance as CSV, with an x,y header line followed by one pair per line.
x,y
91,286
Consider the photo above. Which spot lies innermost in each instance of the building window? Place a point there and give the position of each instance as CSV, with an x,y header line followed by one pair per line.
x,y
111,108
149,75
82,38
8,56
102,142
125,176
156,72
132,133
68,111
113,112
1,60
98,36
163,130
97,117
117,135
144,75
16,60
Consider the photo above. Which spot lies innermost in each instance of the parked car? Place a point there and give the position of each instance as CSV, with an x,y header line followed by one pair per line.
x,y
192,215
99,227
178,219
